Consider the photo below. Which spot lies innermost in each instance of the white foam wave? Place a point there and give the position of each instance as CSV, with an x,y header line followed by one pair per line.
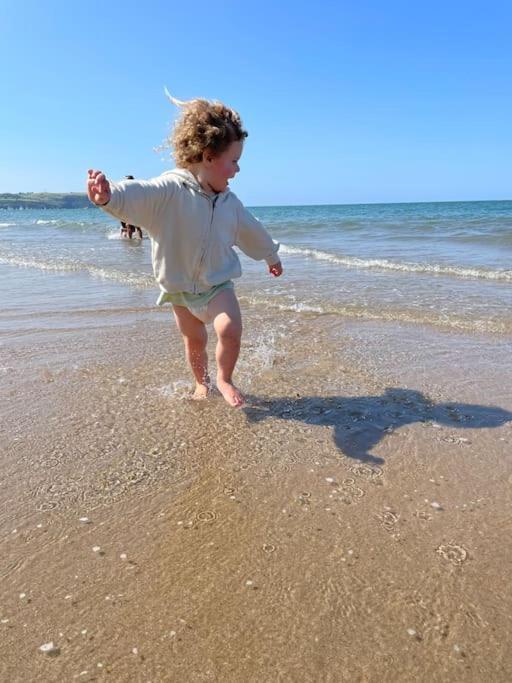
x,y
301,307
384,264
6,225
387,315
41,222
63,266
116,235
25,262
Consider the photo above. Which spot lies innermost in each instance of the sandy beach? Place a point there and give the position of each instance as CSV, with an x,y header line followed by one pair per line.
x,y
351,523
346,168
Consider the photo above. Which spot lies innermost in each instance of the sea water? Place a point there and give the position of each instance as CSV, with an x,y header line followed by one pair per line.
x,y
446,265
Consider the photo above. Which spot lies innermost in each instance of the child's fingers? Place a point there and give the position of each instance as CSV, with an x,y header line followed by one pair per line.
x,y
91,189
92,185
92,181
100,181
98,191
98,187
97,176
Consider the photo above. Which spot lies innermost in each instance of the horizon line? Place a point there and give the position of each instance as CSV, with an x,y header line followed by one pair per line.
x,y
271,206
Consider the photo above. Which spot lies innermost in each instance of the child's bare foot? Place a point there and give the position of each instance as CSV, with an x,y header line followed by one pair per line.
x,y
230,393
201,392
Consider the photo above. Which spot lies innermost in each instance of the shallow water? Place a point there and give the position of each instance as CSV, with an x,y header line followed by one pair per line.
x,y
339,527
446,265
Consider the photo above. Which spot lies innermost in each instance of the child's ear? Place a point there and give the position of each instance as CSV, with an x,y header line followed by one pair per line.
x,y
207,156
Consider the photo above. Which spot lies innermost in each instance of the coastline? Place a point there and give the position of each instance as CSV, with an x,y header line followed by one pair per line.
x,y
340,527
44,200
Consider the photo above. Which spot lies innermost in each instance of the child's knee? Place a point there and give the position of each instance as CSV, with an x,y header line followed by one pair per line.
x,y
230,334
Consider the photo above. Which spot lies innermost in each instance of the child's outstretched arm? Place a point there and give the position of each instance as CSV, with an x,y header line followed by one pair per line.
x,y
254,240
135,202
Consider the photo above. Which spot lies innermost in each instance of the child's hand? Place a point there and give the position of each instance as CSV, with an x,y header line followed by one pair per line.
x,y
276,270
98,188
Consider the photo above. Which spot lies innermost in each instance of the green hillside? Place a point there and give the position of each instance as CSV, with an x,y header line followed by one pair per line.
x,y
44,200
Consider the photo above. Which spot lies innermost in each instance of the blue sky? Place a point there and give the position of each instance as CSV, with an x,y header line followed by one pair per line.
x,y
344,102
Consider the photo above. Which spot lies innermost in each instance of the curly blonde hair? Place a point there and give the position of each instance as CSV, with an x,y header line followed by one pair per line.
x,y
204,125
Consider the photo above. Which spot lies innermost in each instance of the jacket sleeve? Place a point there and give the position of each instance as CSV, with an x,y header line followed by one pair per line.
x,y
253,239
140,202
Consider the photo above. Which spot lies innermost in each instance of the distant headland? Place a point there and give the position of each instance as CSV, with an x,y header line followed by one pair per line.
x,y
44,200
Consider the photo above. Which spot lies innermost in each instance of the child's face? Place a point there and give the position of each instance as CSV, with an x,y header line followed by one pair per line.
x,y
221,168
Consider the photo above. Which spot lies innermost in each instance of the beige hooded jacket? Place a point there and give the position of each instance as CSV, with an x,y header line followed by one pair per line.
x,y
192,233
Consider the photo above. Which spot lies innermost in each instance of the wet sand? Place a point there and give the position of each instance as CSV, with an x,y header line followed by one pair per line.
x,y
352,523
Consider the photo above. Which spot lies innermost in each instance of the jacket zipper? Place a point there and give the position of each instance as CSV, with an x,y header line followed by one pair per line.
x,y
213,202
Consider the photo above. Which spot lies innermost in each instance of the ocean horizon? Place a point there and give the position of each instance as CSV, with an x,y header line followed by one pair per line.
x,y
273,206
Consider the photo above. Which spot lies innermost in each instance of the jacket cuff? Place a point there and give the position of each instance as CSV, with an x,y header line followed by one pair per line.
x,y
113,204
274,257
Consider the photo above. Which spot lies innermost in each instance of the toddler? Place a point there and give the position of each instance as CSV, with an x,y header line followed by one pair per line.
x,y
194,220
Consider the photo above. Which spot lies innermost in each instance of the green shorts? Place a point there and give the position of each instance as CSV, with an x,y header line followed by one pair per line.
x,y
197,304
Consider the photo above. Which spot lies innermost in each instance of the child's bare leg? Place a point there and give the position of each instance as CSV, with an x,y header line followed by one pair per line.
x,y
195,337
227,322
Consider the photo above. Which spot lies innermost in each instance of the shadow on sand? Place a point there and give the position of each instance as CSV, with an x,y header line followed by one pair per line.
x,y
360,422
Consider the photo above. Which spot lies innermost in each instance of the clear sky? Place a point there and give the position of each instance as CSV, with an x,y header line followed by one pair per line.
x,y
345,102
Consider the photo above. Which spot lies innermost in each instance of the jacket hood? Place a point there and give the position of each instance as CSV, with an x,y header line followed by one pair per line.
x,y
188,178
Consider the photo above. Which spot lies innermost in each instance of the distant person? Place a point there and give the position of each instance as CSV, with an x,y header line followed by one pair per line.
x,y
127,230
194,221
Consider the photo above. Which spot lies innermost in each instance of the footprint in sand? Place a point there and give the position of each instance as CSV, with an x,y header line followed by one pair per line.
x,y
349,493
389,520
459,440
424,516
471,614
455,554
370,473
206,516
46,506
304,498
